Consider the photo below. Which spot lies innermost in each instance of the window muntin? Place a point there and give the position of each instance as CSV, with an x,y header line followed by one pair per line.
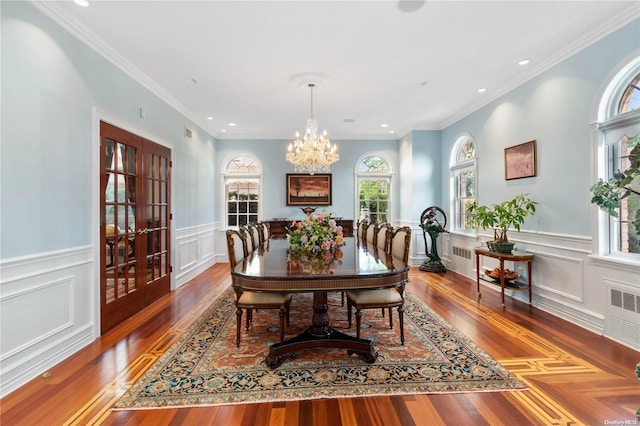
x,y
373,164
243,164
374,189
631,97
463,182
242,191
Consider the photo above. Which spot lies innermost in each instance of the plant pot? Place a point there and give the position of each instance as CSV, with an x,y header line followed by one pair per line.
x,y
500,247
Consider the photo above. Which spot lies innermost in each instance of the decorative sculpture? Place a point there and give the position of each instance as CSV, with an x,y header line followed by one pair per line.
x,y
433,221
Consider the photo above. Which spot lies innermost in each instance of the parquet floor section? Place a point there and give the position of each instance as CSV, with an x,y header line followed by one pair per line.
x,y
574,376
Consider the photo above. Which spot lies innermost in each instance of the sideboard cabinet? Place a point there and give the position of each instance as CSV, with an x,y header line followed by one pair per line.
x,y
277,228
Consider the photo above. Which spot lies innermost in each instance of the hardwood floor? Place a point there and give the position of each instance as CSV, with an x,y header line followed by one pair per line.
x,y
574,376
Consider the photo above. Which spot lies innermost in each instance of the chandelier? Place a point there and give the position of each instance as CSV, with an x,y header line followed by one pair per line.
x,y
312,153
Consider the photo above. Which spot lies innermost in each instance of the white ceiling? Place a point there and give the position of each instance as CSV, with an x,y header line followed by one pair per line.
x,y
377,63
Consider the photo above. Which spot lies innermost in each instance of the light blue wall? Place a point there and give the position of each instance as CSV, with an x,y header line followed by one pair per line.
x,y
427,169
50,84
51,81
271,155
555,109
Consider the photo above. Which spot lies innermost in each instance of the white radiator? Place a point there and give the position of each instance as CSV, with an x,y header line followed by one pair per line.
x,y
624,316
462,252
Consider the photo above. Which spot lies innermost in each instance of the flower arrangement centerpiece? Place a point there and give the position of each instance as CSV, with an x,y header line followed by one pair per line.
x,y
314,244
315,234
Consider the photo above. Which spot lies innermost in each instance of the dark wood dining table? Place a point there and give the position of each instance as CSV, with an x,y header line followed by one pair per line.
x,y
272,269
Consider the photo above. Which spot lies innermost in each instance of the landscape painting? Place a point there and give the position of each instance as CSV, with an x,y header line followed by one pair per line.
x,y
520,161
308,190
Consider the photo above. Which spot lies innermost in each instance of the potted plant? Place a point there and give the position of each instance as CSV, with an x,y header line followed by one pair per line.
x,y
502,217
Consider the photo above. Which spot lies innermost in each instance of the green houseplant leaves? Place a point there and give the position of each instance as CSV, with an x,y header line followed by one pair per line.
x,y
502,216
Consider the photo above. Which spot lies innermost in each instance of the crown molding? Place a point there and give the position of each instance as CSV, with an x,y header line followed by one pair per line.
x,y
53,10
618,21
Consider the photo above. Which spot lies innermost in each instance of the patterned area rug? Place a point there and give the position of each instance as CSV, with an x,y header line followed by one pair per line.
x,y
204,367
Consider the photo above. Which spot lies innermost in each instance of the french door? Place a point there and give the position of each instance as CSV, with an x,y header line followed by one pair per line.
x,y
135,224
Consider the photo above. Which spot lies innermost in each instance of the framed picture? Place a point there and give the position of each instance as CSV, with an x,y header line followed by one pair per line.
x,y
308,190
520,161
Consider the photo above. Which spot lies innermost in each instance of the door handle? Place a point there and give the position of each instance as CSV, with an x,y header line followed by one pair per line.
x,y
144,231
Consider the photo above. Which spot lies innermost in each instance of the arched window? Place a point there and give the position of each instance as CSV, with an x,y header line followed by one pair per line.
x,y
463,181
374,189
242,191
619,163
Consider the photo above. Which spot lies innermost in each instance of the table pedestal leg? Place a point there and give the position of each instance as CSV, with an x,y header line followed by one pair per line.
x,y
320,335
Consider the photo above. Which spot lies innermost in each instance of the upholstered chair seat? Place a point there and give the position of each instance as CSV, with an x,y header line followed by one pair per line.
x,y
397,249
251,300
380,298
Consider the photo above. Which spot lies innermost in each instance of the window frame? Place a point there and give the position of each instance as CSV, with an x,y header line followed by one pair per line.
x,y
229,177
456,168
363,176
610,127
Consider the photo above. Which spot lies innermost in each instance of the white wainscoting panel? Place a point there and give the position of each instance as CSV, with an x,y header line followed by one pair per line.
x,y
561,275
195,251
47,312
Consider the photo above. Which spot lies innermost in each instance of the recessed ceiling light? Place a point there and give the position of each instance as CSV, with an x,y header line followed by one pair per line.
x,y
384,125
223,130
83,3
524,61
232,124
410,5
209,118
392,131
482,90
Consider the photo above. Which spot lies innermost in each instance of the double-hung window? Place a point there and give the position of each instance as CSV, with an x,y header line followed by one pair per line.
x,y
242,191
620,160
374,189
463,182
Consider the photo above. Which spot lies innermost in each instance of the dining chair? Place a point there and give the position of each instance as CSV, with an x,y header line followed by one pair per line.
x,y
382,236
253,300
264,232
361,229
370,237
400,243
384,298
248,240
254,233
